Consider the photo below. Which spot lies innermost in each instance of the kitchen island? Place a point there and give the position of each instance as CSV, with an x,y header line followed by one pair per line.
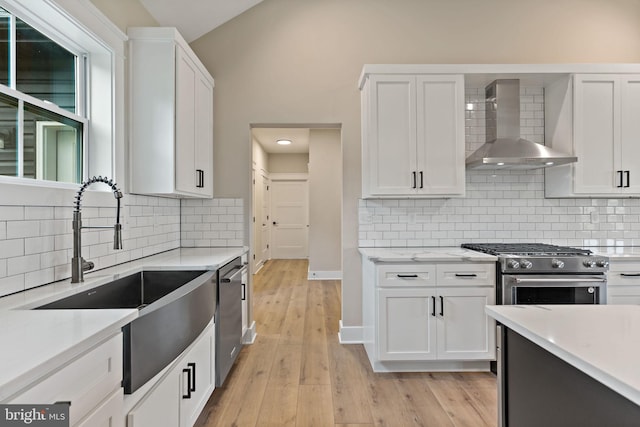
x,y
569,365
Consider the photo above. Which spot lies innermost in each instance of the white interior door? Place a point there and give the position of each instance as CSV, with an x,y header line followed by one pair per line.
x,y
289,219
265,254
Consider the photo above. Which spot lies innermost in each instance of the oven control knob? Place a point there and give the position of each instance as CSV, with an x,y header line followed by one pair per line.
x,y
602,263
525,263
513,264
556,263
589,263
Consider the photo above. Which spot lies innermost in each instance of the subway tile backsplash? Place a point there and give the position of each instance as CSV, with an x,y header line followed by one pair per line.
x,y
212,222
500,206
36,242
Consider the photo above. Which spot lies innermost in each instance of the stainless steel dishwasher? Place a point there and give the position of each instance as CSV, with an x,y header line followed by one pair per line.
x,y
229,317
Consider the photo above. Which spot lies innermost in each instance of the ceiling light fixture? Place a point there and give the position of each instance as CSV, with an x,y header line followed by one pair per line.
x,y
283,142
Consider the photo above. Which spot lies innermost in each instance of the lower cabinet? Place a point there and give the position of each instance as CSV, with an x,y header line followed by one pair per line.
x,y
108,414
623,282
179,396
91,383
429,324
427,312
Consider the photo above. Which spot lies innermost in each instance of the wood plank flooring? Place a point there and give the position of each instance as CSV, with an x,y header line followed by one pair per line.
x,y
298,374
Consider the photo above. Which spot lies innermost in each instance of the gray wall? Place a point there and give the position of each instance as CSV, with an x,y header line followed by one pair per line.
x,y
288,163
325,202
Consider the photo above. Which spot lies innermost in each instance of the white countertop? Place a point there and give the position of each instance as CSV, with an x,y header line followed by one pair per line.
x,y
35,342
623,253
602,341
425,254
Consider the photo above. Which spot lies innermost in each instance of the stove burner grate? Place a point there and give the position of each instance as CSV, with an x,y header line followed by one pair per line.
x,y
525,249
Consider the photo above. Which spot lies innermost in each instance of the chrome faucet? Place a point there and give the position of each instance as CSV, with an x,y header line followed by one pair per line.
x,y
78,264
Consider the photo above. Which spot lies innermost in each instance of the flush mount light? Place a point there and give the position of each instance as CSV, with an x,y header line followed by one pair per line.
x,y
500,164
548,163
283,142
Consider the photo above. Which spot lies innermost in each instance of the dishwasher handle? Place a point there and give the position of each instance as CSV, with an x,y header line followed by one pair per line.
x,y
228,278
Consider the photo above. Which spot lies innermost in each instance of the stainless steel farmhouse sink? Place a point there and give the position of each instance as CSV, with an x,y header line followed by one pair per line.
x,y
174,308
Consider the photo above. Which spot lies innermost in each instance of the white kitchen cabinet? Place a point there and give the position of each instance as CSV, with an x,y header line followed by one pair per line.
x,y
594,116
413,136
406,324
465,332
91,383
108,414
183,391
623,282
171,123
427,312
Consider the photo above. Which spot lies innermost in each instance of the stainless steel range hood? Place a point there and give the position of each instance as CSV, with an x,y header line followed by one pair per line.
x,y
504,148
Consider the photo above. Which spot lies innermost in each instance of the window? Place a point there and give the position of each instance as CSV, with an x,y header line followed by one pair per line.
x,y
42,119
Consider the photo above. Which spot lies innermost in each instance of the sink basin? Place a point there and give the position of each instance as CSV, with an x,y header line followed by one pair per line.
x,y
174,308
134,291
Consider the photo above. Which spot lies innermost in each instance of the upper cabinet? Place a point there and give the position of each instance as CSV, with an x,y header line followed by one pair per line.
x,y
413,135
595,117
171,118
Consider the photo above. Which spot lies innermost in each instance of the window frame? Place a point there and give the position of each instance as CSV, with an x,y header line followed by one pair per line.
x,y
80,27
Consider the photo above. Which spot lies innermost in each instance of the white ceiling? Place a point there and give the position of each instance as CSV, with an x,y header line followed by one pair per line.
x,y
267,138
195,18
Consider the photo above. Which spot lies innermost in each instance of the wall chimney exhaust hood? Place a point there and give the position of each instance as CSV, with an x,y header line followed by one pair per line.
x,y
504,148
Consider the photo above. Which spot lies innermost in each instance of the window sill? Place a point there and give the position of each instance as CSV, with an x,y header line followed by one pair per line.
x,y
28,192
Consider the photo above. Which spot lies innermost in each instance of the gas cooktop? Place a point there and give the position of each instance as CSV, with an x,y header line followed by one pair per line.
x,y
525,249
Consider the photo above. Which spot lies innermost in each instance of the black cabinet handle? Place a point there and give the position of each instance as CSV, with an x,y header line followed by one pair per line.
x,y
619,179
192,365
407,276
466,275
244,291
441,306
190,370
627,175
421,180
433,306
630,274
200,177
413,174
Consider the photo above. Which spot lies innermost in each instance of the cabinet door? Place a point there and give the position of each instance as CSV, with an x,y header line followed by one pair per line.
x,y
196,379
389,136
440,134
204,135
623,286
596,134
108,414
406,324
159,407
630,133
185,148
85,382
465,332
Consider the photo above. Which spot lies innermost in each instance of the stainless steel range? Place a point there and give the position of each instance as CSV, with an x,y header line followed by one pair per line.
x,y
533,273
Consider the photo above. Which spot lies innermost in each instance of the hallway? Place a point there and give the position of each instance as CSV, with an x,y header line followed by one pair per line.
x,y
297,373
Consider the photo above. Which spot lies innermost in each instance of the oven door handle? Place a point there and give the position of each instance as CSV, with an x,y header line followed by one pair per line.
x,y
563,280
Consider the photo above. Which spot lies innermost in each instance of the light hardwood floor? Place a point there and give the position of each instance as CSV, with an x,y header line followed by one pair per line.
x,y
298,374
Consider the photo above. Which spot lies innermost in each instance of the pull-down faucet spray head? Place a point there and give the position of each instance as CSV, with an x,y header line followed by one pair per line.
x,y
78,264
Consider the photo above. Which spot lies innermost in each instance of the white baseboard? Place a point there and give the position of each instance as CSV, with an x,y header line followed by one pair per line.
x,y
350,334
249,336
324,275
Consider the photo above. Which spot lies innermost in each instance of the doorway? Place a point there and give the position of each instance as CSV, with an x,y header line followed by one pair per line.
x,y
297,197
